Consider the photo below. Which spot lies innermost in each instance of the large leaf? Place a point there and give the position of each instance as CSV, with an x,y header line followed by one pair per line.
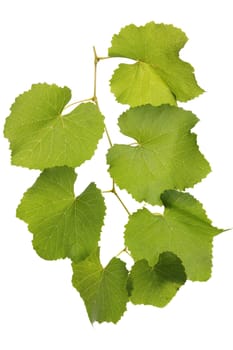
x,y
166,155
159,76
104,290
158,284
62,225
42,137
184,229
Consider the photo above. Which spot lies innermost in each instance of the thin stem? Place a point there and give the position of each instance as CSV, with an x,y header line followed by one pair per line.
x,y
95,74
120,200
127,252
124,250
113,190
108,191
108,136
122,203
95,99
103,58
96,60
77,102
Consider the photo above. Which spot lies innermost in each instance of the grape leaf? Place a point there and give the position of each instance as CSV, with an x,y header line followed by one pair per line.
x,y
62,225
184,229
159,76
102,289
158,284
166,155
42,137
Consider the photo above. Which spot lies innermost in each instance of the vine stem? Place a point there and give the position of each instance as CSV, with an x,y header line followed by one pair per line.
x,y
124,250
113,190
120,200
104,58
80,101
96,60
95,99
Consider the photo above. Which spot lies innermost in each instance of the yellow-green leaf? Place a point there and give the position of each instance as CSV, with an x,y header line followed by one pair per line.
x,y
159,76
62,225
183,229
164,156
42,136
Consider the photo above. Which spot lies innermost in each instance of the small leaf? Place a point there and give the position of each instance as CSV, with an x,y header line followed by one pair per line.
x,y
158,284
42,137
102,289
159,76
166,155
184,229
62,225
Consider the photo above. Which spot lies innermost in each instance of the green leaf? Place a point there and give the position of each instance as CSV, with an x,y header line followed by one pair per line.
x,y
62,225
159,76
184,229
102,289
166,155
42,137
158,284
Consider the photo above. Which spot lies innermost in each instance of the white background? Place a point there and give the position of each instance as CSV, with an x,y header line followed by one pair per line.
x,y
51,41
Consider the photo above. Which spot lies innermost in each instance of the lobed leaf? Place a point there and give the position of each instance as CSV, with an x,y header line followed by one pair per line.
x,y
42,137
158,284
184,229
159,76
102,289
166,155
62,225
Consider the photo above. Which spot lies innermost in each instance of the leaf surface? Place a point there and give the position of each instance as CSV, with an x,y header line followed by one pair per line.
x,y
184,229
159,76
62,225
42,137
165,156
158,284
102,289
